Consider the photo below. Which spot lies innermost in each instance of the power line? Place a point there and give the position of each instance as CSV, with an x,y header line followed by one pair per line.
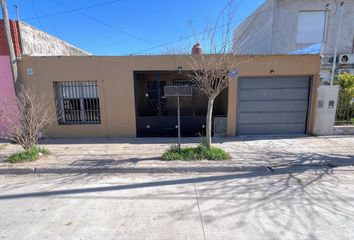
x,y
106,24
39,20
220,27
72,10
35,13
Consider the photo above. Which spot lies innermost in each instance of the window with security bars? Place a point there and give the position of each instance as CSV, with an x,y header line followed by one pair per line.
x,y
77,102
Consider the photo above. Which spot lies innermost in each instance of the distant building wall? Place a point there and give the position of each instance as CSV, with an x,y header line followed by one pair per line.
x,y
254,35
285,28
38,43
34,43
28,40
282,15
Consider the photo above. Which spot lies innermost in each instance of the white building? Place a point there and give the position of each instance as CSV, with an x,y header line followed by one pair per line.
x,y
299,26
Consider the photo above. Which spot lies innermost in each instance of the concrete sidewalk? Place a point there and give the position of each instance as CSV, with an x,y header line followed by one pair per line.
x,y
134,155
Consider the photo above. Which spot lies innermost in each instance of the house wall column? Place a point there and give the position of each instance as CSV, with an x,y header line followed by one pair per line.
x,y
232,108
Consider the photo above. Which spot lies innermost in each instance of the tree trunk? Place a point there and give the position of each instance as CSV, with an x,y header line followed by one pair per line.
x,y
209,120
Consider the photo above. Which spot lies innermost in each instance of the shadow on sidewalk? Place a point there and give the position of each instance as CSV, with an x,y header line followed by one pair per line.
x,y
110,162
164,140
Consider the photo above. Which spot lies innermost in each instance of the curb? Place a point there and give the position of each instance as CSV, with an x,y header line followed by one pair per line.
x,y
68,170
172,169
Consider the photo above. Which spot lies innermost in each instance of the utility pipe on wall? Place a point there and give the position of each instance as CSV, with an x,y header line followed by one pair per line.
x,y
337,43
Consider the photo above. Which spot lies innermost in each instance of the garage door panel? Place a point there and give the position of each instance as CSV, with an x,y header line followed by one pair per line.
x,y
272,105
273,117
294,82
274,94
266,106
269,129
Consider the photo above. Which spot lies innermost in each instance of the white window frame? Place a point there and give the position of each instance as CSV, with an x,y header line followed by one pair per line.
x,y
300,33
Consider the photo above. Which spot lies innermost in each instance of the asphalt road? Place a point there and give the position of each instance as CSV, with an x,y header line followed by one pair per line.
x,y
311,204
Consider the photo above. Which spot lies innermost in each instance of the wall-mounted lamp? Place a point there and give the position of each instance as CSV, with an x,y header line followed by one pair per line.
x,y
179,69
271,72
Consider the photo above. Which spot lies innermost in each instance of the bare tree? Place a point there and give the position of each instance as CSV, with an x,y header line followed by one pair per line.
x,y
211,72
24,118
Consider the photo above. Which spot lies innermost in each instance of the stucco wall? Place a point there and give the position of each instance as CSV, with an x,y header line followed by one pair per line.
x,y
116,84
343,130
325,113
38,43
284,27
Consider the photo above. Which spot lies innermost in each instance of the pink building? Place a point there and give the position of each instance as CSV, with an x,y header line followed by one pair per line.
x,y
29,41
6,84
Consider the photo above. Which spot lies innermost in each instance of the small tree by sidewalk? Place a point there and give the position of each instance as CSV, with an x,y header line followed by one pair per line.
x,y
24,118
211,72
211,80
345,109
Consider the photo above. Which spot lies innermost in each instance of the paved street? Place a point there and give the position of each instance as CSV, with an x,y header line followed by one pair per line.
x,y
289,204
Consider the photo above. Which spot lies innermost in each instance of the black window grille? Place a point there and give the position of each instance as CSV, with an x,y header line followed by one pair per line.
x,y
77,102
155,93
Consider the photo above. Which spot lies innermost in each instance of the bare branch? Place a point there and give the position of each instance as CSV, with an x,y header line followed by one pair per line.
x,y
211,72
25,118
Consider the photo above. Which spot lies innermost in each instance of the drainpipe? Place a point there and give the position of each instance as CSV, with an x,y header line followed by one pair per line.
x,y
337,43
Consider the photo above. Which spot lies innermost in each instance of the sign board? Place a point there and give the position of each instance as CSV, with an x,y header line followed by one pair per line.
x,y
233,73
178,91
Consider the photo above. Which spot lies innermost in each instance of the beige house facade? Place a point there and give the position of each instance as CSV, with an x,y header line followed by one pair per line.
x,y
98,96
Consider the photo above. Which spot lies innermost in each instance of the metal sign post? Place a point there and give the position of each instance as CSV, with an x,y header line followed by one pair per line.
x,y
179,124
178,91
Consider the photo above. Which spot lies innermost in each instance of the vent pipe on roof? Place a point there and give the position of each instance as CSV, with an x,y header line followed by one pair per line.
x,y
197,49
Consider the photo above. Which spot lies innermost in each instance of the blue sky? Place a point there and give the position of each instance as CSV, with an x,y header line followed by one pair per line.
x,y
125,27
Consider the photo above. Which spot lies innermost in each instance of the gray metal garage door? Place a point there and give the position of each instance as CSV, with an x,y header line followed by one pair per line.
x,y
272,105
